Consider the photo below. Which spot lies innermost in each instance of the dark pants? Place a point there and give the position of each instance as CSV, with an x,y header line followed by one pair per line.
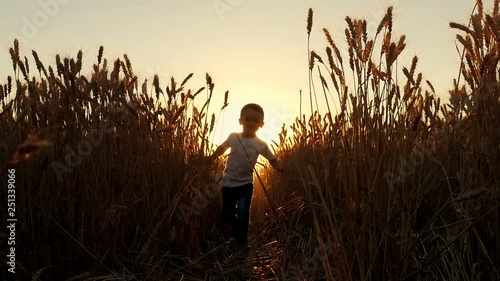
x,y
236,209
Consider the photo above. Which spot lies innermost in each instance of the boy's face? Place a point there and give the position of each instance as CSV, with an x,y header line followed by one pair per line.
x,y
251,120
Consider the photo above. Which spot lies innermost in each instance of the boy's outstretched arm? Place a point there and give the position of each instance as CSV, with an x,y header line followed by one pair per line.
x,y
218,152
276,165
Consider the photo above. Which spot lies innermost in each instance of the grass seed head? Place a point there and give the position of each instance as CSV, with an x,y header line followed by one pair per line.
x,y
309,21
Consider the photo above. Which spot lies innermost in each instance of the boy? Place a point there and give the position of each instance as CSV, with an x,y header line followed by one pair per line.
x,y
237,182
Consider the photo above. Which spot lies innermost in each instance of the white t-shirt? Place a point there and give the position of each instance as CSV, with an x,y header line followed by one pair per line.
x,y
239,170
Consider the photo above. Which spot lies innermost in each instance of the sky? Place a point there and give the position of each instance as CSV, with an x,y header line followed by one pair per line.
x,y
255,49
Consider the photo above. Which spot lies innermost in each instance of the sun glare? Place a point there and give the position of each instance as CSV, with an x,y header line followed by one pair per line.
x,y
228,123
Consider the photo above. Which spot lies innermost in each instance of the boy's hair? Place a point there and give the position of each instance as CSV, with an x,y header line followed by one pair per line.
x,y
253,106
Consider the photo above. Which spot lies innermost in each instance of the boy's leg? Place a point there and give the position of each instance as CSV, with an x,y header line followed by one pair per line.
x,y
243,213
229,199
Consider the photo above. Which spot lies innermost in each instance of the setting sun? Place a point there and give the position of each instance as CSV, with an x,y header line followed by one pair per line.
x,y
274,118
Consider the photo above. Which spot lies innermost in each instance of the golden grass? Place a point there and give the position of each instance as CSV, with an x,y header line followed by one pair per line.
x,y
405,184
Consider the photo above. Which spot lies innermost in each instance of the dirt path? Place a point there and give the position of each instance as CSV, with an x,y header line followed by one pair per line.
x,y
224,260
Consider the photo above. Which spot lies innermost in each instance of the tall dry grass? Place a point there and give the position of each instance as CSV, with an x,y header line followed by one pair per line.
x,y
103,162
392,183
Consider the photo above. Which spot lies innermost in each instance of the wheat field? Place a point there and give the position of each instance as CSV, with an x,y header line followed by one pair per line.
x,y
390,183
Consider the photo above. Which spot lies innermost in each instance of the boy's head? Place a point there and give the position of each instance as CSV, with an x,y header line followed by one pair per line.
x,y
251,117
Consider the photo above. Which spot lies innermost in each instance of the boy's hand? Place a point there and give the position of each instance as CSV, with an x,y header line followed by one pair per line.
x,y
206,161
277,166
280,169
202,162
